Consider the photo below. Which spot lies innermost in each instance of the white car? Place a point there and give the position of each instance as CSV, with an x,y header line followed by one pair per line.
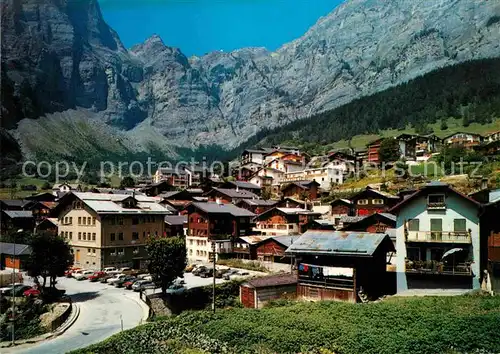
x,y
83,275
9,287
110,270
125,269
78,272
115,278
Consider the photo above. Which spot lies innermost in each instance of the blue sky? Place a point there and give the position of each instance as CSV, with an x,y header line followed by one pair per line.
x,y
201,26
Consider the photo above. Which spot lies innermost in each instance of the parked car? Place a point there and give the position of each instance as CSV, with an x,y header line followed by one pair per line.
x,y
119,283
105,278
128,284
209,272
83,275
220,272
199,270
96,276
77,272
190,268
8,288
31,292
176,289
242,273
111,281
17,290
143,285
107,270
229,273
69,273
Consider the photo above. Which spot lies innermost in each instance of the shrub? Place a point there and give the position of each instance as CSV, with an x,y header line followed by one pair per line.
x,y
238,263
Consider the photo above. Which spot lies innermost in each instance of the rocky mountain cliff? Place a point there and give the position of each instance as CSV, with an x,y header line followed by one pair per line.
x,y
60,54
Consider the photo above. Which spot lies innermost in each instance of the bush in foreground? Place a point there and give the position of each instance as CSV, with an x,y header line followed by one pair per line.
x,y
398,325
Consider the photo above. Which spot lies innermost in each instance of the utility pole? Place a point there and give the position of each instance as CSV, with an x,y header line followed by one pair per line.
x,y
213,285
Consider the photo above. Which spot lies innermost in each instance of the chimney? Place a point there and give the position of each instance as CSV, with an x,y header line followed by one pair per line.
x,y
484,183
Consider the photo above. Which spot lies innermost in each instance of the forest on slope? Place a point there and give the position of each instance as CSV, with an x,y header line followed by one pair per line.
x,y
470,91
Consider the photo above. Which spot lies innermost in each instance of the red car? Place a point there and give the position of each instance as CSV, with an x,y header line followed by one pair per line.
x,y
32,292
70,271
96,276
128,284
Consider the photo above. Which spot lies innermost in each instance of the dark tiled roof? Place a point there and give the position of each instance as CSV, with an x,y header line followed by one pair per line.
x,y
216,208
233,193
14,249
176,219
259,202
243,184
22,214
14,202
272,280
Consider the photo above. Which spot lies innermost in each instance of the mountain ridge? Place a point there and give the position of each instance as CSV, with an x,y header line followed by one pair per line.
x,y
225,98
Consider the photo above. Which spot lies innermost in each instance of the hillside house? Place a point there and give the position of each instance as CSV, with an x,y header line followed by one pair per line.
x,y
42,210
14,255
273,249
245,247
438,244
344,266
375,223
284,221
13,220
14,204
175,225
215,222
176,177
290,202
373,151
261,181
340,208
242,186
49,225
491,137
466,140
301,190
370,201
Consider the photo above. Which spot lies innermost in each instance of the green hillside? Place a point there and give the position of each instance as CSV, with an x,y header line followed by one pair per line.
x,y
460,324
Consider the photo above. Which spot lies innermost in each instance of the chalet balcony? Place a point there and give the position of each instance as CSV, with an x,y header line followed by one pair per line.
x,y
436,206
438,236
435,267
245,250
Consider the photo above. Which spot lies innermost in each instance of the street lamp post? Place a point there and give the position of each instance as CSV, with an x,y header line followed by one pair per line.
x,y
14,289
213,284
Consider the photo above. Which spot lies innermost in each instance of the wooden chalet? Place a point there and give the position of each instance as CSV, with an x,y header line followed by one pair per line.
x,y
284,221
224,195
255,293
345,266
257,206
375,223
370,201
301,190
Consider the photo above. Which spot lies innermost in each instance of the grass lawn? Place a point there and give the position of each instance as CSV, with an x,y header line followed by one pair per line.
x,y
457,324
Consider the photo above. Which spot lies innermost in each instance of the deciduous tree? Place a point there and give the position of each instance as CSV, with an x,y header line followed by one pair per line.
x,y
167,260
50,256
389,150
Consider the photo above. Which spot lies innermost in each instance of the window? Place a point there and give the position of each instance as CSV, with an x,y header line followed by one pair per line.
x,y
93,221
70,220
135,235
436,201
436,229
84,236
136,250
120,236
79,235
93,236
112,236
121,251
89,220
414,225
135,220
363,202
378,201
459,225
70,235
79,220
112,221
120,221
84,221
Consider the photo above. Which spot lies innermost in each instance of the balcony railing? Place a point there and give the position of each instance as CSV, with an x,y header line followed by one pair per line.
x,y
435,267
241,249
436,206
438,236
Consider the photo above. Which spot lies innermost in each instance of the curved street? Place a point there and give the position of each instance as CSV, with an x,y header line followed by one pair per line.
x,y
103,309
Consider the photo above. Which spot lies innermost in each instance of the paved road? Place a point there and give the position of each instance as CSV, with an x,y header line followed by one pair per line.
x,y
102,309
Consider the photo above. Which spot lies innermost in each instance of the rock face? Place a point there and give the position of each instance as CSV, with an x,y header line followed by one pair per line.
x,y
60,54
